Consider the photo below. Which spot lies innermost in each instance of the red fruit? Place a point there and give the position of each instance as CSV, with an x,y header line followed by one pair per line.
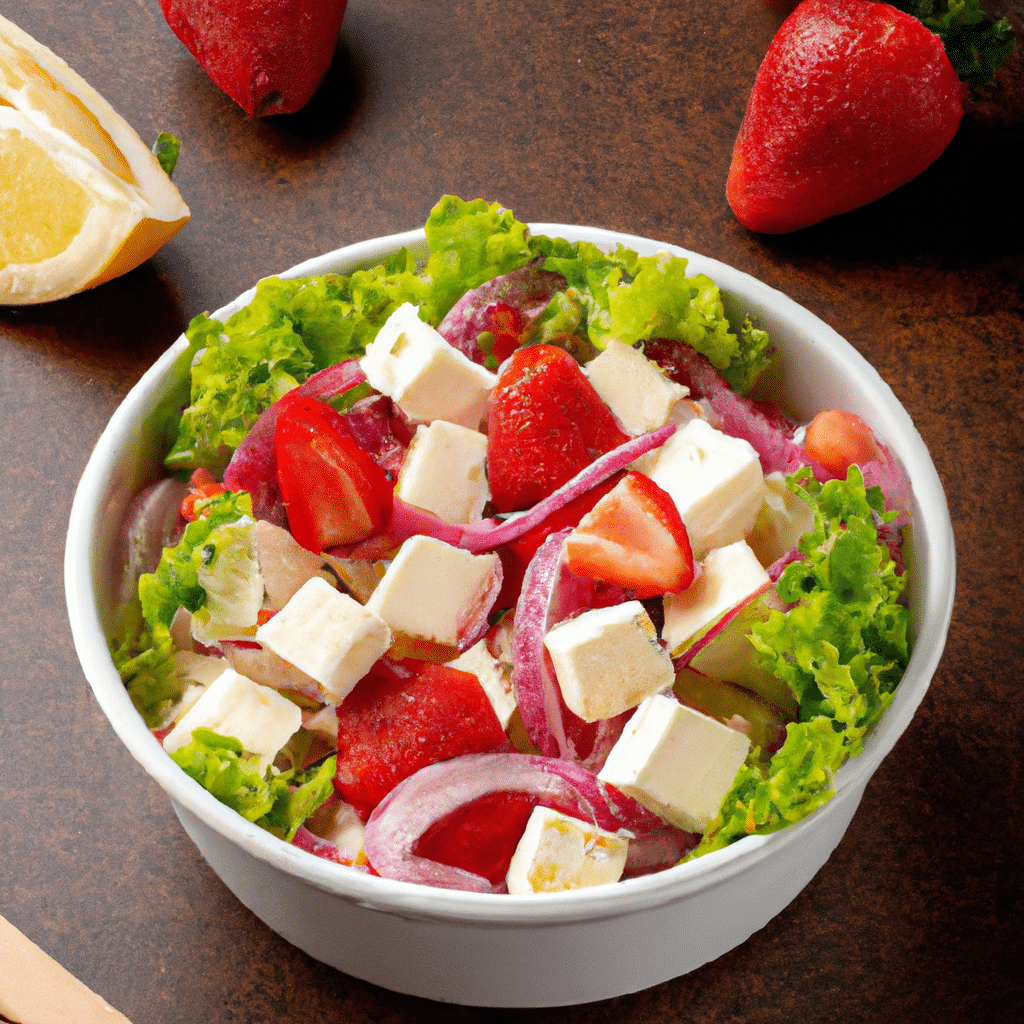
x,y
836,439
480,836
269,56
333,491
397,721
852,100
633,537
546,424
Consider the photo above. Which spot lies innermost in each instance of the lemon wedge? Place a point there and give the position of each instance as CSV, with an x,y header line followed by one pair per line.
x,y
83,199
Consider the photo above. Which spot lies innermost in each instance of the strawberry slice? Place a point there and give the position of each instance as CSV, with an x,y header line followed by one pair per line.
x,y
402,718
546,424
852,100
633,537
333,491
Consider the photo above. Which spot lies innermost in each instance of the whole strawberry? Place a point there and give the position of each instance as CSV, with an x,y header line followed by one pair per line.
x,y
269,56
852,100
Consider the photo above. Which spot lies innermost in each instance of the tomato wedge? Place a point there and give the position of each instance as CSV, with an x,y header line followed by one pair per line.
x,y
334,493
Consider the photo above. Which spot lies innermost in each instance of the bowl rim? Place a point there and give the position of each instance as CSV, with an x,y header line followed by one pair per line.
x,y
408,899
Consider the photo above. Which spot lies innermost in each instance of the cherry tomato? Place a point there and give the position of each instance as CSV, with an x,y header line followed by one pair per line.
x,y
837,439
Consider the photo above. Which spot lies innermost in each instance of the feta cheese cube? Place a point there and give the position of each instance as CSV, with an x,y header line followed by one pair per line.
x,y
608,660
558,852
257,716
328,636
639,394
676,761
428,378
435,591
728,577
493,678
715,481
445,472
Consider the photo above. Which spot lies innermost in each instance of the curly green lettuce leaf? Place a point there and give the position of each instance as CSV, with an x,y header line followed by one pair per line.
x,y
976,44
291,328
144,658
630,297
220,534
237,372
470,243
764,798
276,801
842,648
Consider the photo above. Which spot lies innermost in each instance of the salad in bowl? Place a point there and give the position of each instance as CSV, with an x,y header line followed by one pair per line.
x,y
522,566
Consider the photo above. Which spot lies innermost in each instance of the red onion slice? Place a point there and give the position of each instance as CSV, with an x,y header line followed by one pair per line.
x,y
527,290
487,534
439,790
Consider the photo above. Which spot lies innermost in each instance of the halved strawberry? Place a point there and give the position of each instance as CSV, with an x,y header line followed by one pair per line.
x,y
546,424
633,537
333,491
400,719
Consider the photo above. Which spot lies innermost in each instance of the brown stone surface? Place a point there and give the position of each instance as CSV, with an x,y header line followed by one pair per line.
x,y
606,113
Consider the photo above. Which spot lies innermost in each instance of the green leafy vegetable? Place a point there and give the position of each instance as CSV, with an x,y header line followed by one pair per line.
x,y
184,572
277,801
144,658
166,150
842,649
237,373
470,243
976,44
630,297
290,329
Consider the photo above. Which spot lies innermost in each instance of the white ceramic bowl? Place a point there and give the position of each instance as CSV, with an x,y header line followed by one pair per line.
x,y
482,949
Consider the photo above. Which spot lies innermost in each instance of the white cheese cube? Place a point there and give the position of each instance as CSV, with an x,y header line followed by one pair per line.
x,y
608,660
429,379
728,577
328,636
558,852
445,472
257,716
640,396
676,761
495,681
435,591
715,481
784,518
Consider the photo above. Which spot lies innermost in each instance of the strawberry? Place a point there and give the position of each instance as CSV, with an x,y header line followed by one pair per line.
x,y
401,718
633,537
546,424
852,100
333,491
268,57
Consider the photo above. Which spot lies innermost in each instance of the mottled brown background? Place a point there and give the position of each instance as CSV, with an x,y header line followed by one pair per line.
x,y
607,113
